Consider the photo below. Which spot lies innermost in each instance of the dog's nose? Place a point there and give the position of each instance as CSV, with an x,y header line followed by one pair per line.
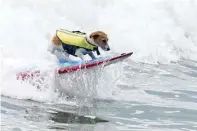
x,y
108,49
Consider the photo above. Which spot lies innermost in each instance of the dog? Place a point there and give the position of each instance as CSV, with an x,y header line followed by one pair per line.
x,y
77,43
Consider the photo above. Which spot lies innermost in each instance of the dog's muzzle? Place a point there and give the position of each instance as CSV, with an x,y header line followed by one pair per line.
x,y
107,48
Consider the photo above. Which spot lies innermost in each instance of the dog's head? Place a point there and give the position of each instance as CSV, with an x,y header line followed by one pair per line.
x,y
100,39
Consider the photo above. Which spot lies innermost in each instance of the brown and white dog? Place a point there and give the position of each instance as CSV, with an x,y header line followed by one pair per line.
x,y
97,38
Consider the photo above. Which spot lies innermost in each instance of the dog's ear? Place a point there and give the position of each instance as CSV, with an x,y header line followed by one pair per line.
x,y
94,35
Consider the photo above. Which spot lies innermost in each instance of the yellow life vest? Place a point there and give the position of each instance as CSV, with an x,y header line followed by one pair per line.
x,y
76,39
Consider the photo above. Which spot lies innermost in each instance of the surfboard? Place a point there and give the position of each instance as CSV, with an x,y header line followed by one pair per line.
x,y
105,61
67,67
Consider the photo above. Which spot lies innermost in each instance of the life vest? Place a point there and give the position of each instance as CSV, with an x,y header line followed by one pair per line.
x,y
74,38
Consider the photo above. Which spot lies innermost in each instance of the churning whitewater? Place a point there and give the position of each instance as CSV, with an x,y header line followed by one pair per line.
x,y
157,32
161,74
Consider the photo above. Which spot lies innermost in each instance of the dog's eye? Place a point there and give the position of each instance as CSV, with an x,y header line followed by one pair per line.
x,y
104,41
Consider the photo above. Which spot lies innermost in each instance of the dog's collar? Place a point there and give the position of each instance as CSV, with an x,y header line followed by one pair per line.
x,y
95,47
90,42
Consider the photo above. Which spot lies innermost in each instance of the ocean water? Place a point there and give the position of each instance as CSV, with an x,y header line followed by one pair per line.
x,y
155,89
